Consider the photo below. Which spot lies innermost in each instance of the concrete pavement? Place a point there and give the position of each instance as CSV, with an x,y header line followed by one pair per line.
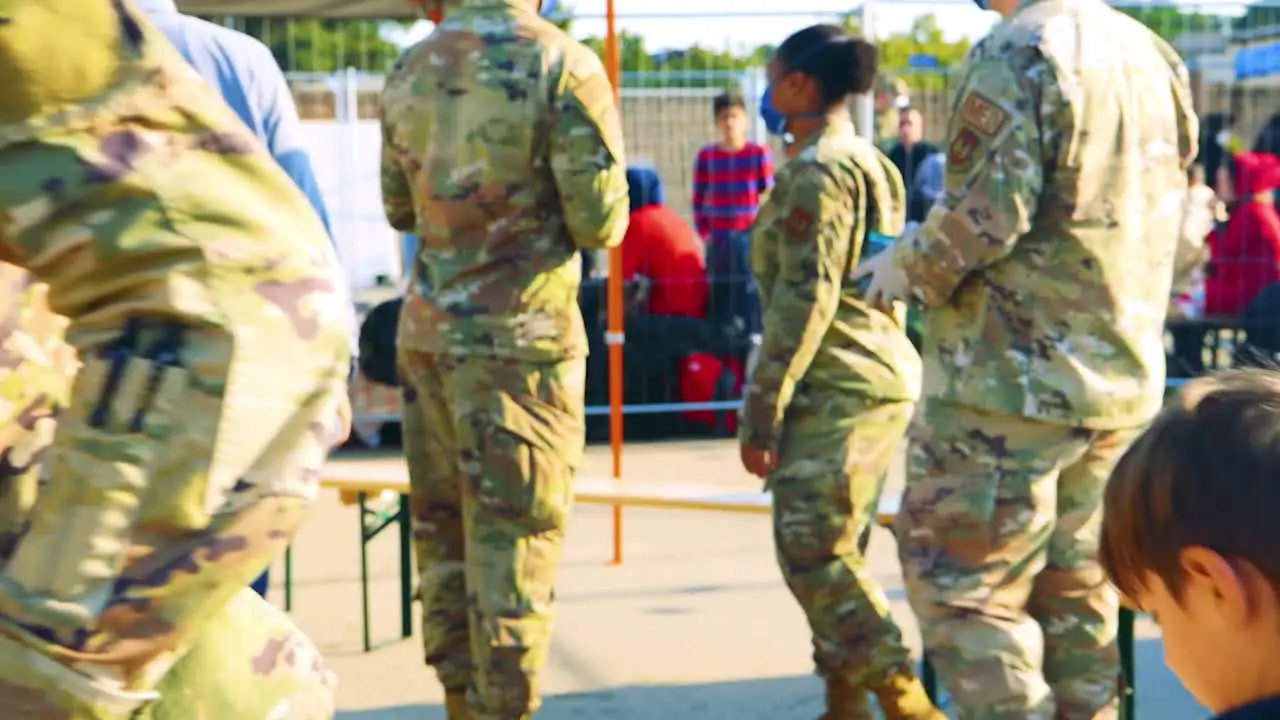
x,y
695,623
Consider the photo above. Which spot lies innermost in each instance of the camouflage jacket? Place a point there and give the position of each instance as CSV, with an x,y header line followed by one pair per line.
x,y
502,149
820,337
131,189
1045,267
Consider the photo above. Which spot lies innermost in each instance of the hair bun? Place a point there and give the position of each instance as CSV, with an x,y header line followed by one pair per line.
x,y
863,61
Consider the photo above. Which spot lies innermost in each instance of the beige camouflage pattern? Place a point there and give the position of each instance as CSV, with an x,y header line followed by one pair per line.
x,y
998,537
831,394
1044,274
833,461
1044,269
249,661
819,334
464,113
502,149
213,344
495,447
36,367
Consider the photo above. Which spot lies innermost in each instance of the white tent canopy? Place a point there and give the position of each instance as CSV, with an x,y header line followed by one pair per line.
x,y
372,9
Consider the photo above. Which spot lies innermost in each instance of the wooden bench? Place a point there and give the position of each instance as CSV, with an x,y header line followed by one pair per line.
x,y
357,482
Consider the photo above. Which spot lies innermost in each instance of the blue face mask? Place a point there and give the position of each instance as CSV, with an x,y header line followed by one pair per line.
x,y
774,121
982,4
548,8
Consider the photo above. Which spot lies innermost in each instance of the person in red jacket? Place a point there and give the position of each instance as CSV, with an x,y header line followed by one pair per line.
x,y
663,252
1245,256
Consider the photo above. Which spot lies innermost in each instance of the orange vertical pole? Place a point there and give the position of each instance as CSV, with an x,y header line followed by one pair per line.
x,y
614,299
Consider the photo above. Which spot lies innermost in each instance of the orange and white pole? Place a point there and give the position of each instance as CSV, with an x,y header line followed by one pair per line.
x,y
614,338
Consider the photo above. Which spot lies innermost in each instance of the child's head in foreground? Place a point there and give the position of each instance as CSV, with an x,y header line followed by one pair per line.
x,y
1191,534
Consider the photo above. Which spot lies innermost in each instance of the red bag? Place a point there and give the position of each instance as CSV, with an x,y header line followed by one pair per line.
x,y
704,378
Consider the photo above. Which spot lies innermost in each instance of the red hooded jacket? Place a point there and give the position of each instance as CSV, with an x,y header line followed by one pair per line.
x,y
1245,257
662,247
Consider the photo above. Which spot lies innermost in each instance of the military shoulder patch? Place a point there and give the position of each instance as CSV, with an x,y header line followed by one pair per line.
x,y
983,115
798,223
963,149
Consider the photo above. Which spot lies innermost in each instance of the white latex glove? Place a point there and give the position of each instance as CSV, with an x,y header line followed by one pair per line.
x,y
887,283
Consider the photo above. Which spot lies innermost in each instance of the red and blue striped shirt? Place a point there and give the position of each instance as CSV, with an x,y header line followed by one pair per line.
x,y
727,185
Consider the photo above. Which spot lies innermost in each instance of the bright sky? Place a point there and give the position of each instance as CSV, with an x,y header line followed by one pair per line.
x,y
735,24
748,23
671,24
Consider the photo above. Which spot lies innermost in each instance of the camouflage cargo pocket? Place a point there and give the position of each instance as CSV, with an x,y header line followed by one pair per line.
x,y
524,473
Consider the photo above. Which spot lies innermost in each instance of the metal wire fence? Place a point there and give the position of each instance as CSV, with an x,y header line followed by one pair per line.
x,y
675,64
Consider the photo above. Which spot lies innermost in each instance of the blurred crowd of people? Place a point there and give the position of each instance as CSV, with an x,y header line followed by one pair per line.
x,y
1229,246
1228,249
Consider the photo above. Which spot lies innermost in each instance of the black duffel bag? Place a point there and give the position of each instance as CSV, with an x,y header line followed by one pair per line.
x,y
1260,322
378,343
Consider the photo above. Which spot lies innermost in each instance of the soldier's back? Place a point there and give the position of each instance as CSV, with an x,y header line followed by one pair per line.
x,y
1082,296
468,114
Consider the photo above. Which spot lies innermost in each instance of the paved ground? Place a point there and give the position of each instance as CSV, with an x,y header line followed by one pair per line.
x,y
694,624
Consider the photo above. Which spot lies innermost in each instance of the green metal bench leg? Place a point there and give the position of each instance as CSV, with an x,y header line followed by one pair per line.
x,y
406,574
288,578
364,573
929,678
1128,673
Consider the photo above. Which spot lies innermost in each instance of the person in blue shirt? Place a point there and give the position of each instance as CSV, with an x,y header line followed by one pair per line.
x,y
245,73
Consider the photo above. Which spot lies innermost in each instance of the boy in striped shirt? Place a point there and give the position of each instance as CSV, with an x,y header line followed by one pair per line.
x,y
730,177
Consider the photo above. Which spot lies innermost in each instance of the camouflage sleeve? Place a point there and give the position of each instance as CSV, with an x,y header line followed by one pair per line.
x,y
397,195
815,220
994,174
587,156
1183,100
204,306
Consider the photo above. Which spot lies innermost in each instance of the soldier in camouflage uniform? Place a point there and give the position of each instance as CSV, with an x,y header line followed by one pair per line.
x,y
831,396
502,149
892,94
1044,272
249,661
213,351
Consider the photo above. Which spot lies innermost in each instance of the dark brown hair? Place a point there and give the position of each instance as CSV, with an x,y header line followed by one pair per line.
x,y
726,100
1205,473
842,64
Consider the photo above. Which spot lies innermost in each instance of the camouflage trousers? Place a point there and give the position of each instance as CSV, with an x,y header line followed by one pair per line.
x,y
248,661
492,446
998,538
83,639
834,457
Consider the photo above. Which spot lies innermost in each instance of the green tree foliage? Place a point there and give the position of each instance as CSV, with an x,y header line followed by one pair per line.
x,y
1257,16
1169,22
564,18
308,45
699,66
924,39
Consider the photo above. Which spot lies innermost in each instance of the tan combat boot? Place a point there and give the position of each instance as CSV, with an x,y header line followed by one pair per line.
x,y
846,701
455,706
902,697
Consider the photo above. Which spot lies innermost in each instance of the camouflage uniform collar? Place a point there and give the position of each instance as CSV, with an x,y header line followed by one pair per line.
x,y
834,129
